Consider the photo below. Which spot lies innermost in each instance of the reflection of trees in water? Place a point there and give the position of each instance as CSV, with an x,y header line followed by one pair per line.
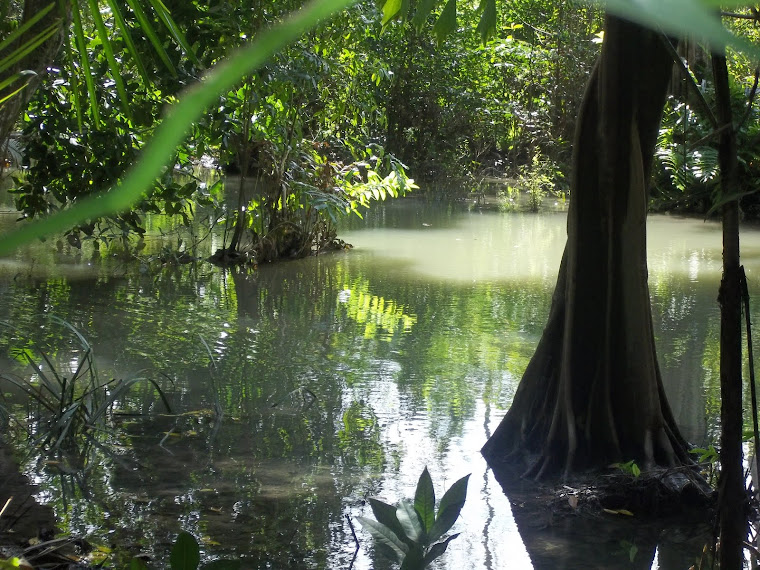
x,y
685,317
374,349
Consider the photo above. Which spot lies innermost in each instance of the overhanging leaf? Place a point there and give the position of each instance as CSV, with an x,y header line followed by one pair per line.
x,y
165,16
146,25
487,23
447,21
391,9
424,7
113,65
424,500
680,18
84,59
186,554
130,45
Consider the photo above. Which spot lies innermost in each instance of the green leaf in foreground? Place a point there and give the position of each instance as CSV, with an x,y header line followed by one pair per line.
x,y
191,106
385,537
424,500
386,515
410,521
437,550
449,509
681,18
186,554
447,21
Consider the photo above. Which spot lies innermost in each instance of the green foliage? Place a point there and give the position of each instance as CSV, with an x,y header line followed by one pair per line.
x,y
688,177
186,553
537,180
159,151
629,468
466,109
683,16
10,57
709,458
408,532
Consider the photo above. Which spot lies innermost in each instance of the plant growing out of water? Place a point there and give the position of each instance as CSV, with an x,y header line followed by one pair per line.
x,y
409,533
70,406
537,179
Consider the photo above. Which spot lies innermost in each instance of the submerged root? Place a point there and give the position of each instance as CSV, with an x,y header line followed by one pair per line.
x,y
657,492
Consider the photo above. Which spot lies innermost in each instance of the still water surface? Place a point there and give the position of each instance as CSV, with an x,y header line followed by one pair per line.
x,y
340,377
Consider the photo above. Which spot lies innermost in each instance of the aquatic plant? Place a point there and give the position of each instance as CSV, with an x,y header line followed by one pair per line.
x,y
71,407
409,532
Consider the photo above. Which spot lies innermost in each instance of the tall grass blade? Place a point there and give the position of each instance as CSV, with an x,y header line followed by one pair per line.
x,y
123,28
82,340
81,43
146,25
113,66
25,27
165,16
28,47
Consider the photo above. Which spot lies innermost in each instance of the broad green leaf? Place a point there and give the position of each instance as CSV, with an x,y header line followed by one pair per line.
x,y
449,509
424,7
424,500
385,536
437,550
391,9
487,23
386,514
186,554
137,564
410,522
447,21
681,18
172,131
413,560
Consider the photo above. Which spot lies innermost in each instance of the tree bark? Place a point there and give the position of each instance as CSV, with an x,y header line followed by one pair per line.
x,y
732,504
592,394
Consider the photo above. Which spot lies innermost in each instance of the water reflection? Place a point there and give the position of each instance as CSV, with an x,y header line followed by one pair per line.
x,y
305,387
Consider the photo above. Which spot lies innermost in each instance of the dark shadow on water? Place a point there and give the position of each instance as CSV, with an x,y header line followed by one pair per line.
x,y
561,533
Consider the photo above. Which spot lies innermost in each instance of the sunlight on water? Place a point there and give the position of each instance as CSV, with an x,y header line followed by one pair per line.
x,y
340,377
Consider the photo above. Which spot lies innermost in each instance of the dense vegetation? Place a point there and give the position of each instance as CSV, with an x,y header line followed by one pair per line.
x,y
337,119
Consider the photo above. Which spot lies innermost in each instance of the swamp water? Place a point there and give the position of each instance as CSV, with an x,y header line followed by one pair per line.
x,y
339,377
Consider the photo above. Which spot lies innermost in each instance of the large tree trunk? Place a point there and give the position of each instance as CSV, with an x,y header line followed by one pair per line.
x,y
592,394
37,60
